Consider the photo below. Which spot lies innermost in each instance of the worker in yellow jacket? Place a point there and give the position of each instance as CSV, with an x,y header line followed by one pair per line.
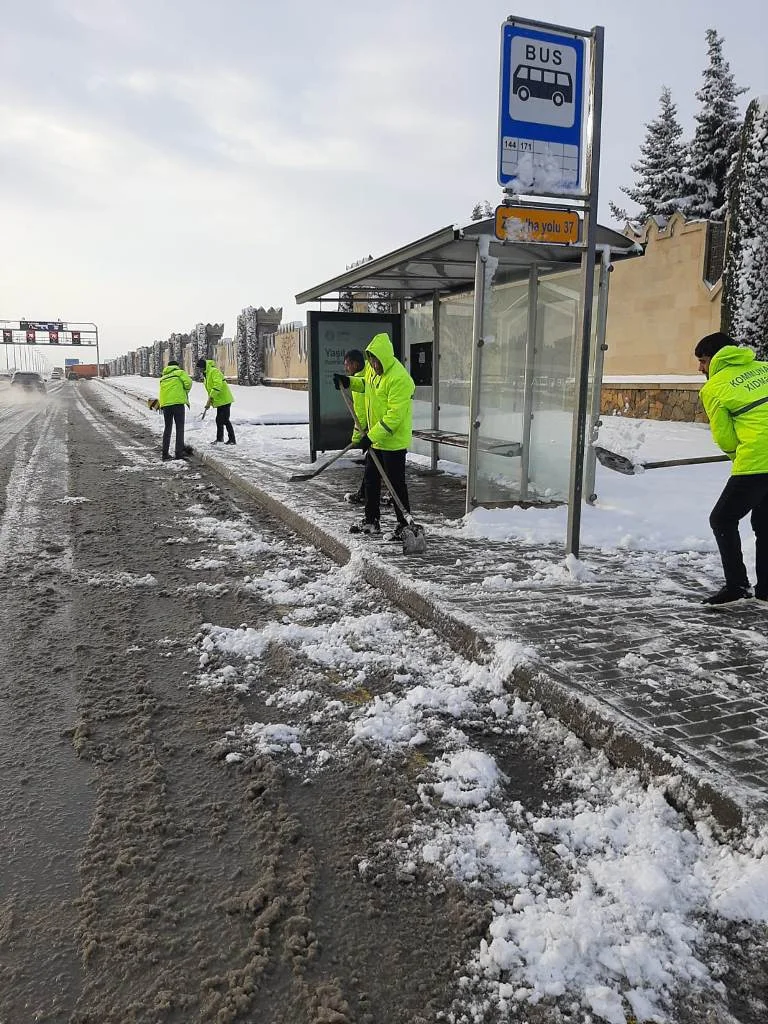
x,y
735,398
388,389
175,386
220,397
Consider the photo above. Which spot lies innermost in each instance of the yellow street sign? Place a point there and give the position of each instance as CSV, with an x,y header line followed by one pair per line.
x,y
526,224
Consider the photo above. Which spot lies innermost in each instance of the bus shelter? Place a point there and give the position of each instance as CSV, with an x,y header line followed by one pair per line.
x,y
491,334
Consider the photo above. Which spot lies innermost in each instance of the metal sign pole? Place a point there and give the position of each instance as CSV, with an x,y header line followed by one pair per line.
x,y
575,490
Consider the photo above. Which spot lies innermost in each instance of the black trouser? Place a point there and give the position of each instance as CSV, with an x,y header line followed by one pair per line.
x,y
173,414
742,494
393,464
222,421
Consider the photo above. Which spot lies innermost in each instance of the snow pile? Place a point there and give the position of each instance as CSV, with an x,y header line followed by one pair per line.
x,y
273,738
121,579
238,538
467,778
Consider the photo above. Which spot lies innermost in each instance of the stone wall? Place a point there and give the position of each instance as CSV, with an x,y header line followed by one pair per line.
x,y
661,304
677,402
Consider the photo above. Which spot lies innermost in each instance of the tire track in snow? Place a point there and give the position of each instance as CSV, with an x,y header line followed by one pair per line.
x,y
39,472
132,451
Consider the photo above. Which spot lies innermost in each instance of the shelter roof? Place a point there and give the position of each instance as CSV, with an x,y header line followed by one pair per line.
x,y
445,261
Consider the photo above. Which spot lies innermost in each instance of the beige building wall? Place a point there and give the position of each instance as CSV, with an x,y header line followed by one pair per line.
x,y
659,305
225,354
285,356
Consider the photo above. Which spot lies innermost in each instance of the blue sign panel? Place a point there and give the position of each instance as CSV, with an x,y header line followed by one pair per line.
x,y
540,110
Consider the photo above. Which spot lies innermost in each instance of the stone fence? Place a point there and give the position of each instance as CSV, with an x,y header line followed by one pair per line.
x,y
678,401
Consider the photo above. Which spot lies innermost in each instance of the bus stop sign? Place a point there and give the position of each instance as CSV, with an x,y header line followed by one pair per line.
x,y
541,102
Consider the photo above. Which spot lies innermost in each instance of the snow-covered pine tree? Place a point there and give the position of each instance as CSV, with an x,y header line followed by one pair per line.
x,y
716,139
481,210
745,278
659,184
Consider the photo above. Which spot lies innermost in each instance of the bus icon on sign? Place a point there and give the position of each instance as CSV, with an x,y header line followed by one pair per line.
x,y
529,81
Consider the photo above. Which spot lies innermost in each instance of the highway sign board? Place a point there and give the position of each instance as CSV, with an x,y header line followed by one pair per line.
x,y
541,103
529,224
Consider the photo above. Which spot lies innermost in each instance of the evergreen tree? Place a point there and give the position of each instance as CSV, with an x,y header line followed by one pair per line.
x,y
745,279
716,138
481,210
659,184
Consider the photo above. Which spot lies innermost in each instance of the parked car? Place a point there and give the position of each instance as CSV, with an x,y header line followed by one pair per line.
x,y
28,381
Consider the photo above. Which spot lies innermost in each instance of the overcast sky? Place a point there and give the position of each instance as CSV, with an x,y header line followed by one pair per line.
x,y
167,162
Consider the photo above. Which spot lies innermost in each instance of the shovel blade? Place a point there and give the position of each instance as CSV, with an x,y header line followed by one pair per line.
x,y
619,463
414,540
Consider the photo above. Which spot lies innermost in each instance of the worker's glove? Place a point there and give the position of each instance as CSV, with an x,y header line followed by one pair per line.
x,y
340,380
365,443
153,404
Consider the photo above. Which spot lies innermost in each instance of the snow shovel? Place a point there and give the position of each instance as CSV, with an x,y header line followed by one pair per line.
x,y
325,465
413,537
624,465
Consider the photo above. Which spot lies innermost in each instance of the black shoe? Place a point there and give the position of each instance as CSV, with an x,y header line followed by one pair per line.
x,y
727,595
181,458
165,456
230,442
397,533
354,498
217,441
369,529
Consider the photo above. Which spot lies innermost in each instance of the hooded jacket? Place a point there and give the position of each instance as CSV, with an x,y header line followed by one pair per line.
x,y
174,386
388,397
216,386
735,398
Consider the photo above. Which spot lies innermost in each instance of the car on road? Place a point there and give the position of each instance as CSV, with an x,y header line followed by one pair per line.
x,y
57,374
27,380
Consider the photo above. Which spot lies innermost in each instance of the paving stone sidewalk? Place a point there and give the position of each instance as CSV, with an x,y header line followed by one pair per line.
x,y
629,650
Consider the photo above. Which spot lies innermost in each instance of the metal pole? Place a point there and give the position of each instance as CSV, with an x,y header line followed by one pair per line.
x,y
435,376
528,375
597,375
575,489
478,330
98,363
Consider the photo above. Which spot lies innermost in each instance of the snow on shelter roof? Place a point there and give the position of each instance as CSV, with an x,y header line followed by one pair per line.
x,y
445,261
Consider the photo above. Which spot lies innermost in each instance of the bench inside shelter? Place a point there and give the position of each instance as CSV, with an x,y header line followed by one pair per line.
x,y
490,445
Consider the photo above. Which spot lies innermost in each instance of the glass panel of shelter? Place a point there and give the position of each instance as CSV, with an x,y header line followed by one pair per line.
x,y
527,390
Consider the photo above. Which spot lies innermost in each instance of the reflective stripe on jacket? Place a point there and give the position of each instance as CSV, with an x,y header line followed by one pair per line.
x,y
174,386
216,386
358,404
388,398
735,398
